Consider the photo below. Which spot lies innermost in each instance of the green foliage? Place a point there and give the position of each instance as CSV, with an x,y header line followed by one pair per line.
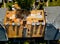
x,y
9,4
25,4
54,3
26,42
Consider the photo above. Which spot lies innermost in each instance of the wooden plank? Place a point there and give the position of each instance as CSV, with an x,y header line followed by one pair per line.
x,y
13,33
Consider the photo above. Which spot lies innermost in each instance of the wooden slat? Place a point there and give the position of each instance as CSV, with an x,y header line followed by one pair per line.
x,y
13,33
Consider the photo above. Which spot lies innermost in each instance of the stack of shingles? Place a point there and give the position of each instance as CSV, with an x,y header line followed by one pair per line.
x,y
53,17
2,15
3,36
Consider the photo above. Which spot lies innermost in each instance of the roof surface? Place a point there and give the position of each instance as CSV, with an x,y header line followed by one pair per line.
x,y
2,15
0,1
53,15
3,36
53,21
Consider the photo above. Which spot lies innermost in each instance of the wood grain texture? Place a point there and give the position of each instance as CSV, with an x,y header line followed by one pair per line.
x,y
13,33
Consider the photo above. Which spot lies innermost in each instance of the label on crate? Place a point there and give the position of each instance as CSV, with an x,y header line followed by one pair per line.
x,y
36,15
